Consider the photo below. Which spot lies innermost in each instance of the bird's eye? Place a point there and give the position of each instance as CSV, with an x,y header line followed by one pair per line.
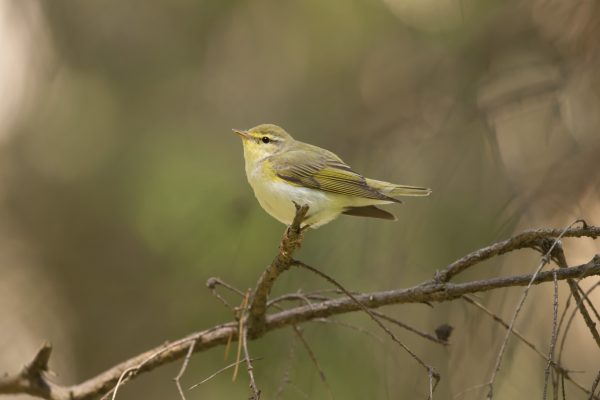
x,y
265,139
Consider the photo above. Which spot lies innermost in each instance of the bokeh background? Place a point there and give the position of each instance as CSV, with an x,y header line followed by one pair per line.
x,y
122,189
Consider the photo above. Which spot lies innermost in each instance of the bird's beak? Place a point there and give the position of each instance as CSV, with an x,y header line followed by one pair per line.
x,y
243,134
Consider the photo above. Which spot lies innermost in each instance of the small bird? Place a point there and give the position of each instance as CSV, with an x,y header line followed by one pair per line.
x,y
283,171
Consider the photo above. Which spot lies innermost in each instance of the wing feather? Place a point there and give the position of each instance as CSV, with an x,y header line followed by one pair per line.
x,y
323,171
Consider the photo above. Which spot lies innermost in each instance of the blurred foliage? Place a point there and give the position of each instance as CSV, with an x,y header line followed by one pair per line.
x,y
123,189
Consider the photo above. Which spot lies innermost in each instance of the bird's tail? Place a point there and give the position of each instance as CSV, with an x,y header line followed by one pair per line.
x,y
393,190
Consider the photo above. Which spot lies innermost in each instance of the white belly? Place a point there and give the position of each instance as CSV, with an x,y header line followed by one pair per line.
x,y
278,198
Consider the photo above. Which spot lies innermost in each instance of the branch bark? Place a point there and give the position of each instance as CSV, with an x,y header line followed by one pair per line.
x,y
32,378
574,287
532,239
292,240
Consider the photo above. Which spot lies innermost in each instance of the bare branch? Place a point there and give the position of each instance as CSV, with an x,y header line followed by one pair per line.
x,y
186,361
571,318
241,330
212,284
562,371
548,249
562,263
292,239
527,239
33,380
249,366
427,292
434,376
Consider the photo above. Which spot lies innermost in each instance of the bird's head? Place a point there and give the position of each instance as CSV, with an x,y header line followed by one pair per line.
x,y
263,141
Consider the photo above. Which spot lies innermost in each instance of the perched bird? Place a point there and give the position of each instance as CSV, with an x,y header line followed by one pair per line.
x,y
283,171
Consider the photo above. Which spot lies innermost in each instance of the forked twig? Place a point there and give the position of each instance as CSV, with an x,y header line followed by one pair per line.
x,y
128,373
212,284
563,372
543,262
526,239
186,361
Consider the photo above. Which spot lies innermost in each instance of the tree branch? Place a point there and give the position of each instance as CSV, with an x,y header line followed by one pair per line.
x,y
427,292
292,239
574,287
528,239
33,380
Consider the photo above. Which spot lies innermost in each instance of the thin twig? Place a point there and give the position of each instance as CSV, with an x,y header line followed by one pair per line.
x,y
249,367
313,358
233,364
563,372
306,298
186,361
594,386
543,262
212,284
434,376
432,291
299,390
467,390
409,328
554,336
286,374
562,263
429,292
130,372
496,318
526,239
123,375
240,330
349,326
292,240
571,318
589,302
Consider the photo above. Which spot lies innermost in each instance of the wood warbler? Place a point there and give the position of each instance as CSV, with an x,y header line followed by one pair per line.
x,y
283,171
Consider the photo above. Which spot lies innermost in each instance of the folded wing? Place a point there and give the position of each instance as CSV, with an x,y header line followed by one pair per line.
x,y
323,171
